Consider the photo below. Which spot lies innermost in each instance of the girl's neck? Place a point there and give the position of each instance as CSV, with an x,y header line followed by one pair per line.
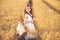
x,y
28,12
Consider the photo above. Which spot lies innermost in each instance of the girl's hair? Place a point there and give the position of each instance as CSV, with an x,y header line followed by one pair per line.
x,y
29,5
30,10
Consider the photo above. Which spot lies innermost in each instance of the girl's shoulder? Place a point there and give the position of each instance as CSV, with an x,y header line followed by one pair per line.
x,y
26,15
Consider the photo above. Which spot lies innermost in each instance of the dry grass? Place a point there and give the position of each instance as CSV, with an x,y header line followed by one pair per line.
x,y
10,14
47,20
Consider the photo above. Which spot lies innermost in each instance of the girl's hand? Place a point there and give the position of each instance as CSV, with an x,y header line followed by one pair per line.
x,y
32,21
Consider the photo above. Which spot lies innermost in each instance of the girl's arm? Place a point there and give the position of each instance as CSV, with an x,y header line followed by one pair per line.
x,y
25,18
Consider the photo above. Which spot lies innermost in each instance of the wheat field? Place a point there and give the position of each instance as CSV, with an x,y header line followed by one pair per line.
x,y
46,14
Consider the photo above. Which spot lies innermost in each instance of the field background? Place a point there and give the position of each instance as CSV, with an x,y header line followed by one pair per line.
x,y
46,14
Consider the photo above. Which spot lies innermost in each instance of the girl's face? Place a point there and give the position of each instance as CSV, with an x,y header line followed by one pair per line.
x,y
28,9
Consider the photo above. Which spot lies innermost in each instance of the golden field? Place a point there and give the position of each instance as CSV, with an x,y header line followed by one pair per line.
x,y
45,12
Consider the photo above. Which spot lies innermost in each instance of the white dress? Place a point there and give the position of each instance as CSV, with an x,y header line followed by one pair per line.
x,y
30,26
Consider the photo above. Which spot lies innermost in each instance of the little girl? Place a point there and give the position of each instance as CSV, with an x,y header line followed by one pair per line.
x,y
29,24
